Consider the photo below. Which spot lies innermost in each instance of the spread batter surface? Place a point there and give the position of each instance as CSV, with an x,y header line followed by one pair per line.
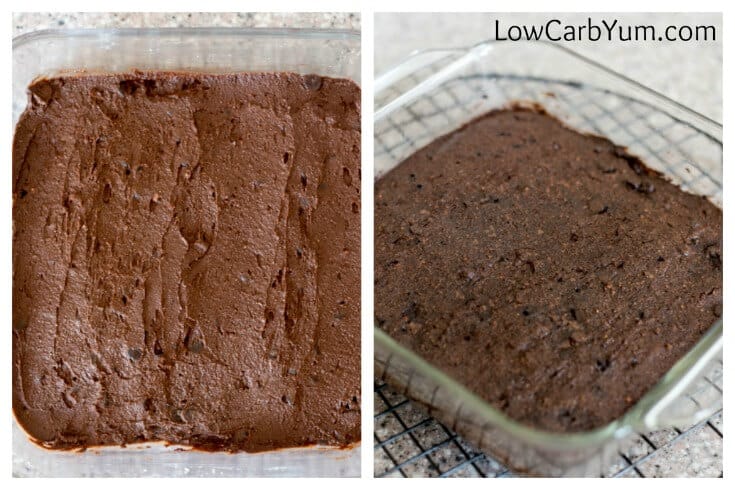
x,y
186,261
548,271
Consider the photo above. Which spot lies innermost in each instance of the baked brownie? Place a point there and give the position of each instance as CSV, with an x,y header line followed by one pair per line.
x,y
186,261
550,272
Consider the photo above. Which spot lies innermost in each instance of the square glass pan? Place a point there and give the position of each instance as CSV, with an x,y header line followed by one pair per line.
x,y
326,52
434,92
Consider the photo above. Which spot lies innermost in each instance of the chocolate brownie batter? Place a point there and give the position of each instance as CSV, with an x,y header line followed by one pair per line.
x,y
186,261
548,271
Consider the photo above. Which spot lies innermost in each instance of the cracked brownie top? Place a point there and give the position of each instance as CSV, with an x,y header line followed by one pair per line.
x,y
186,261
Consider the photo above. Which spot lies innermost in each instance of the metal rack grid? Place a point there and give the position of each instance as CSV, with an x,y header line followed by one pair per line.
x,y
408,442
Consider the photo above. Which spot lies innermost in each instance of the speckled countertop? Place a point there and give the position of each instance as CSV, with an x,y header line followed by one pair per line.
x,y
410,444
26,22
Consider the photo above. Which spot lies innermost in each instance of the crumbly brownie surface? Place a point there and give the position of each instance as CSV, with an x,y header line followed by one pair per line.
x,y
550,272
186,261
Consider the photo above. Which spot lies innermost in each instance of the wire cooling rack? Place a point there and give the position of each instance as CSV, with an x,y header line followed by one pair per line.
x,y
407,441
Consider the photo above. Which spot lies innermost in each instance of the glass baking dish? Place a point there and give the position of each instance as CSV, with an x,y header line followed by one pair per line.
x,y
326,52
435,92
